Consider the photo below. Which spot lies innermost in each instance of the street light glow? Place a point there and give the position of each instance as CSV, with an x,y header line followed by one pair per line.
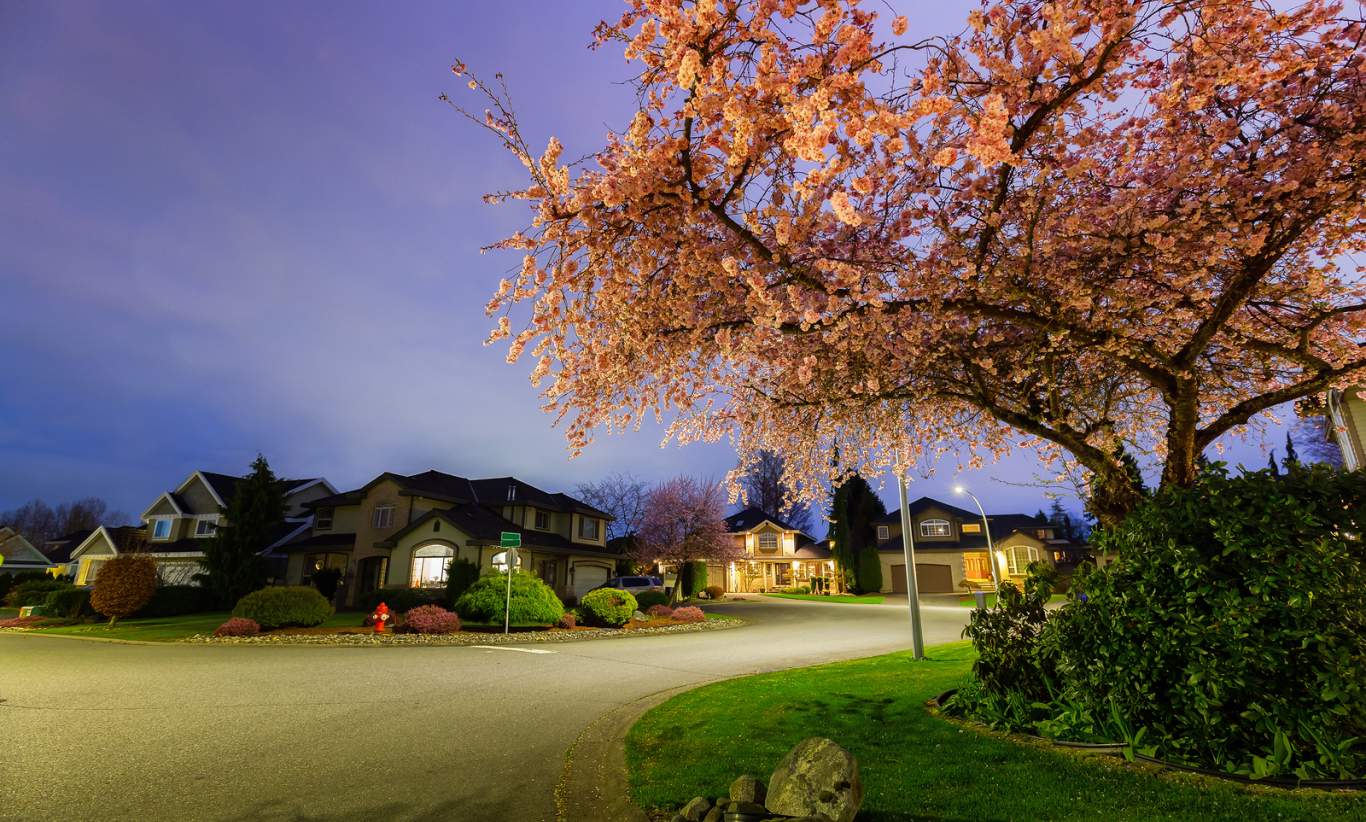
x,y
958,489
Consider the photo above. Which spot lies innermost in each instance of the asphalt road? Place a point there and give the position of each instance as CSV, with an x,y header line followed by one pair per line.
x,y
100,731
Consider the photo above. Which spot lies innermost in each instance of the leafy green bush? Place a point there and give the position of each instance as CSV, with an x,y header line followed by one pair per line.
x,y
797,590
645,599
869,570
460,575
692,579
533,602
1229,634
71,603
608,607
34,591
402,600
285,606
178,600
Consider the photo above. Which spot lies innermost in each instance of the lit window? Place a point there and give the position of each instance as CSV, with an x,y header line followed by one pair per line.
x,y
768,541
384,516
588,528
543,520
323,522
429,566
884,533
161,529
971,528
1019,557
935,528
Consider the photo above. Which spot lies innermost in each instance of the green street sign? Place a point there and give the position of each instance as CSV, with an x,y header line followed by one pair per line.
x,y
510,539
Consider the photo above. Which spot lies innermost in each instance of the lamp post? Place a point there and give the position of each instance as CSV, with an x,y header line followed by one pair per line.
x,y
912,592
986,527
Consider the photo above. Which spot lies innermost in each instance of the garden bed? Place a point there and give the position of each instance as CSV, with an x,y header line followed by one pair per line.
x,y
468,636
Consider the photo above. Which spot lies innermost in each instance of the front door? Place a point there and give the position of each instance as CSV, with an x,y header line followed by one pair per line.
x,y
371,572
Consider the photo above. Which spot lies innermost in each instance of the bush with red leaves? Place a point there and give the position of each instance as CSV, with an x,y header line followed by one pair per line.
x,y
660,611
431,619
689,613
567,621
238,626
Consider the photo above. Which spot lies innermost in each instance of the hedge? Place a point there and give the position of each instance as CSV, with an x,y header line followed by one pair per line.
x,y
287,606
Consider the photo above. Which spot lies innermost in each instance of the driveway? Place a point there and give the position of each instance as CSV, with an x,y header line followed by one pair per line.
x,y
109,731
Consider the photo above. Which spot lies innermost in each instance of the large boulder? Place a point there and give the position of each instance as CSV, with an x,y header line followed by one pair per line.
x,y
817,777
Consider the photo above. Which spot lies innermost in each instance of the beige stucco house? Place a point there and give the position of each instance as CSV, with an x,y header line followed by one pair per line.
x,y
951,548
401,531
177,524
775,555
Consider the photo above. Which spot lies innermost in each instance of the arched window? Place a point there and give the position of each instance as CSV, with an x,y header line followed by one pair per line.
x,y
1019,557
429,565
935,528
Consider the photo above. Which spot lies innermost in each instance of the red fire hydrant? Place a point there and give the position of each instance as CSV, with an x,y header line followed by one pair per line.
x,y
379,617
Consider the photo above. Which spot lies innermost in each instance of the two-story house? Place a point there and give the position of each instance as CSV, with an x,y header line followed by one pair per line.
x,y
400,531
177,524
775,555
951,548
1347,415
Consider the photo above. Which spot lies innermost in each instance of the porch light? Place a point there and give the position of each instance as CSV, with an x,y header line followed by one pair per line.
x,y
796,565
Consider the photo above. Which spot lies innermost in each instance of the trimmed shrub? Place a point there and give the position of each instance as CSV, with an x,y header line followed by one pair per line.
x,y
660,611
286,606
326,581
73,603
567,621
460,575
401,600
431,619
178,600
124,586
869,570
608,607
798,590
238,626
692,579
646,599
715,592
533,602
689,613
34,591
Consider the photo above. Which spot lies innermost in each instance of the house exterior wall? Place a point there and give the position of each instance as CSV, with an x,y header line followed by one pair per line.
x,y
953,559
345,519
294,503
197,499
1347,413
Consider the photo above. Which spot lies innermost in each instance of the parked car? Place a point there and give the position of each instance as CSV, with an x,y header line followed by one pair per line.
x,y
634,585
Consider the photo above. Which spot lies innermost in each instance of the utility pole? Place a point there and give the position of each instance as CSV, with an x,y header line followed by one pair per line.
x,y
912,592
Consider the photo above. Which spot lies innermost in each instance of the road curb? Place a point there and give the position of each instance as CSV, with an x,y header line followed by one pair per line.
x,y
111,640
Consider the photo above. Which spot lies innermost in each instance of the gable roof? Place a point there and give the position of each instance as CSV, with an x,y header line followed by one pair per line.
x,y
923,504
19,552
490,491
753,517
224,486
59,549
483,525
119,538
494,491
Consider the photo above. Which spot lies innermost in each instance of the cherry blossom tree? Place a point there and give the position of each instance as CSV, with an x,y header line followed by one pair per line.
x,y
1078,225
684,522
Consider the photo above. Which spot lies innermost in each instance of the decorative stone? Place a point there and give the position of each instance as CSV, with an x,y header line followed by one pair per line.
x,y
714,815
695,810
816,777
639,616
747,789
748,808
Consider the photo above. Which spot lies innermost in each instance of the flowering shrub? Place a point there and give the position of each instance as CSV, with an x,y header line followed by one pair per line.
x,y
238,626
689,613
660,611
431,619
567,621
608,607
21,622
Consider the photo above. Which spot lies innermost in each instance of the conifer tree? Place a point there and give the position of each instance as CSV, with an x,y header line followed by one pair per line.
x,y
233,565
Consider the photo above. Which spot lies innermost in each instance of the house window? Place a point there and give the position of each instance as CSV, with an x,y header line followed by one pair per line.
x,y
161,529
884,533
429,566
323,521
205,527
768,541
549,571
935,528
314,563
384,517
543,520
92,570
971,528
1019,557
588,528
1044,533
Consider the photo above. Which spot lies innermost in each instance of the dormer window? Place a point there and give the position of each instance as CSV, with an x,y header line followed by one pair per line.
x,y
161,529
768,541
543,520
936,528
384,517
884,533
323,521
205,526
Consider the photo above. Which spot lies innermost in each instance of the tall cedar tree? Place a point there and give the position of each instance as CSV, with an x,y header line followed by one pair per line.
x,y
852,515
233,565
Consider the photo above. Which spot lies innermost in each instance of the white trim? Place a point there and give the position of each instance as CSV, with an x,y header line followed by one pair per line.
x,y
306,524
207,484
169,497
310,484
107,538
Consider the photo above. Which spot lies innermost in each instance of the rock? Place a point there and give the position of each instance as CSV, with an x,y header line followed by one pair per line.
x,y
695,810
749,808
816,777
639,616
747,789
714,815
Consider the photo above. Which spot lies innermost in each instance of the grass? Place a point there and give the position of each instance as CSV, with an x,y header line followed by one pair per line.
x,y
969,602
917,766
171,629
870,599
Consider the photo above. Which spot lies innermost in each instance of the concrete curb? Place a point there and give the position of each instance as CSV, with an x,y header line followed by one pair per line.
x,y
111,640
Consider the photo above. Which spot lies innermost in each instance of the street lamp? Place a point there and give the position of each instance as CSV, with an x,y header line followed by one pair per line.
x,y
991,551
912,588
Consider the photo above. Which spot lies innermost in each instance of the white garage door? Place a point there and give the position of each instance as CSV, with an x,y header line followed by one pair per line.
x,y
588,577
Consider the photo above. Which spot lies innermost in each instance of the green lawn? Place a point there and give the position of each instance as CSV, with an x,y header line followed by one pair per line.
x,y
969,602
171,629
916,766
870,599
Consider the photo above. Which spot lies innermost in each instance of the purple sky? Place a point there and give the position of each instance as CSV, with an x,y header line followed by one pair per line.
x,y
232,227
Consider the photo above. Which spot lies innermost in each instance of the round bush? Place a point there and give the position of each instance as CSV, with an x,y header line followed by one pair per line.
x,y
660,611
124,586
608,607
238,626
645,599
689,613
533,602
431,619
286,606
73,603
715,592
567,621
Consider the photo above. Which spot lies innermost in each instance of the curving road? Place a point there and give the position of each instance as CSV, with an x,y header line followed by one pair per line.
x,y
113,731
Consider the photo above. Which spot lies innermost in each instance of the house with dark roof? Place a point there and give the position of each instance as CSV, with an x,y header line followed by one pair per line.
x,y
177,524
18,556
403,531
775,555
951,547
58,551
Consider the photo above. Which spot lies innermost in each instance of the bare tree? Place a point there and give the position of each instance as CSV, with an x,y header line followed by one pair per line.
x,y
39,522
622,496
766,490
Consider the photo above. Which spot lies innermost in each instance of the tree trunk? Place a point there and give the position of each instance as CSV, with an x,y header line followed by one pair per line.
x,y
1114,494
1182,467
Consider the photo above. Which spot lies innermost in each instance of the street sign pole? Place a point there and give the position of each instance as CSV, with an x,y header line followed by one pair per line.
x,y
509,541
912,592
